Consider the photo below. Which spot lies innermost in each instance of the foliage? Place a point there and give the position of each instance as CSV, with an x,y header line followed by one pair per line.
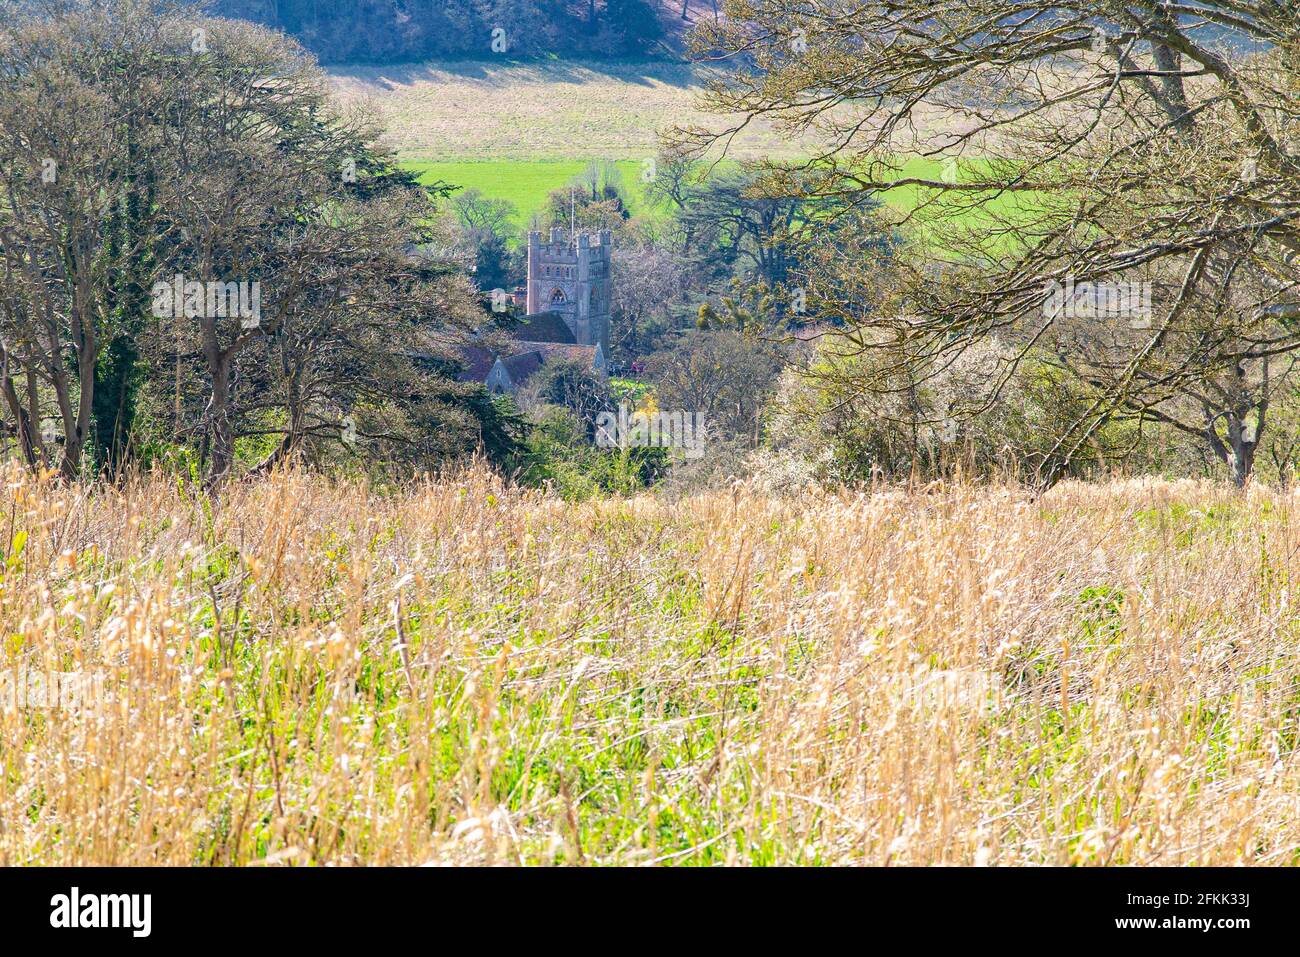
x,y
560,457
288,198
720,374
849,415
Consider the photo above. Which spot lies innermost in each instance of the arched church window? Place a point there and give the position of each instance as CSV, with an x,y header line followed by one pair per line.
x,y
558,296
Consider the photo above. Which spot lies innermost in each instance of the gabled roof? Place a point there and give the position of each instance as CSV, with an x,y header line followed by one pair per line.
x,y
521,365
524,359
477,363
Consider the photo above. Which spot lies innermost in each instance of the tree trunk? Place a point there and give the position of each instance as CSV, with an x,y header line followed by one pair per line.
x,y
1238,451
219,427
23,423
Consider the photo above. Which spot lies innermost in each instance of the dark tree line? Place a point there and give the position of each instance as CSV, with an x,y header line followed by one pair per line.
x,y
395,31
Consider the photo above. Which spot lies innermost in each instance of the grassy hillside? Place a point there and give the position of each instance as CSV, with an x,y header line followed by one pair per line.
x,y
517,131
307,672
552,111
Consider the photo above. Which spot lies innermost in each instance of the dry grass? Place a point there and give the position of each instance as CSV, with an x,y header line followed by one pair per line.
x,y
553,111
453,111
313,673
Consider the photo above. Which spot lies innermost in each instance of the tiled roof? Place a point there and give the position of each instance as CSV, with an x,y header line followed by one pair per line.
x,y
523,357
544,327
522,365
477,362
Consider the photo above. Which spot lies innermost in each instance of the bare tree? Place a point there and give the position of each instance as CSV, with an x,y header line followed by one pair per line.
x,y
1101,143
650,282
720,374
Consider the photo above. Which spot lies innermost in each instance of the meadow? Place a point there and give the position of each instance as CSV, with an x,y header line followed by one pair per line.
x,y
517,131
528,183
460,671
525,183
551,110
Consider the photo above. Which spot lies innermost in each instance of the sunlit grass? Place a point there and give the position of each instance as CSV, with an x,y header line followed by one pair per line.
x,y
526,184
307,672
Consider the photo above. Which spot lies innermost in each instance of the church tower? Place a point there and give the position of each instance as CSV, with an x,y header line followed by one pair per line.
x,y
571,276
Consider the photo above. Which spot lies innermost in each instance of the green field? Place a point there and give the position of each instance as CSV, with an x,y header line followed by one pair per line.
x,y
517,131
524,183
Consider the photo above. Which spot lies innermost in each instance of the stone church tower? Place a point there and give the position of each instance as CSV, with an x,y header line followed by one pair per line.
x,y
572,279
